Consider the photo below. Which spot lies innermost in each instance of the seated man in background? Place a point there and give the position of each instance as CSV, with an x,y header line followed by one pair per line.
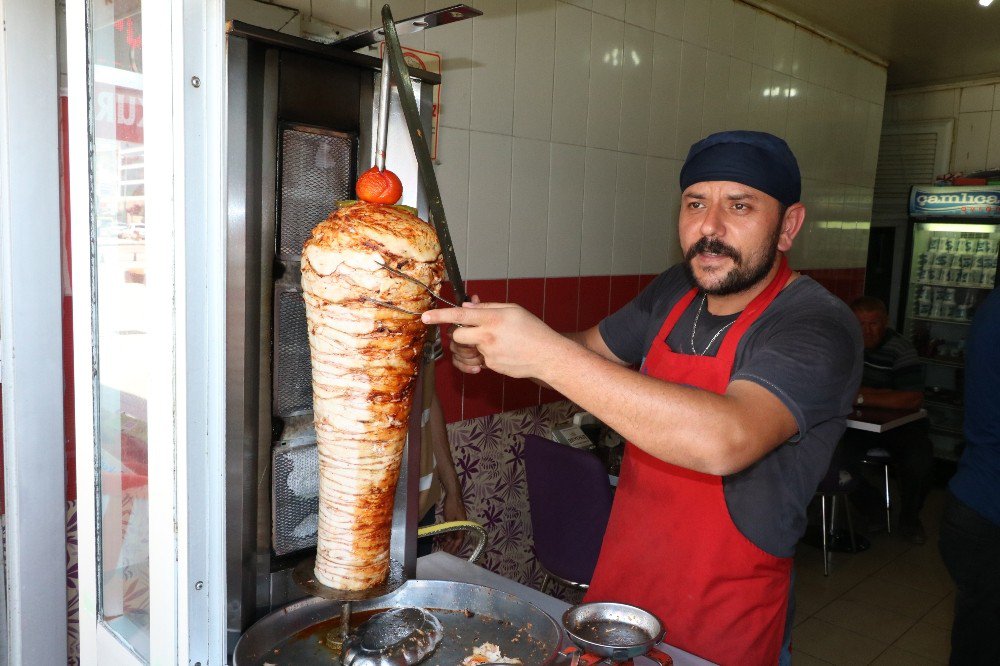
x,y
893,378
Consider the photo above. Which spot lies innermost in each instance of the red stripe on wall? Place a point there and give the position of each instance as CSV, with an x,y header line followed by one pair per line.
x,y
566,304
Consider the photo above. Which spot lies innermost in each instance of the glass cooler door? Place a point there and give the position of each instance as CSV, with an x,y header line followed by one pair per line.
x,y
952,269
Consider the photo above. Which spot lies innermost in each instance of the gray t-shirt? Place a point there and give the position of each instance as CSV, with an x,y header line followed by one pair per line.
x,y
806,349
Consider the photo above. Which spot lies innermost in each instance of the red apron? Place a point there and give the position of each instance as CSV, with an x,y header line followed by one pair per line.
x,y
671,546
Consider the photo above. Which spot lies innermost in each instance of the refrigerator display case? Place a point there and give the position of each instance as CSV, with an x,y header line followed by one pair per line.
x,y
954,241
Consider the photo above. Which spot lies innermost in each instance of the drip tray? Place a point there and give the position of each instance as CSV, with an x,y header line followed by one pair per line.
x,y
469,614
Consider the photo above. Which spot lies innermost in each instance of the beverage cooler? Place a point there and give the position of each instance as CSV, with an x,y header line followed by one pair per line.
x,y
954,238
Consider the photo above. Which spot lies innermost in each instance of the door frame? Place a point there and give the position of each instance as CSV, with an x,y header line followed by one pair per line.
x,y
32,369
184,96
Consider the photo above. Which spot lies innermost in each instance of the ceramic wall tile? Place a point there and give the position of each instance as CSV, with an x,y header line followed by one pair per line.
x,y
489,205
993,146
636,90
977,98
493,39
784,47
529,207
714,117
572,74
453,179
760,98
763,39
659,216
926,106
696,21
720,27
583,4
692,99
738,94
777,104
565,230
670,17
664,96
599,211
454,43
534,66
612,8
972,135
628,215
802,54
604,98
641,13
744,31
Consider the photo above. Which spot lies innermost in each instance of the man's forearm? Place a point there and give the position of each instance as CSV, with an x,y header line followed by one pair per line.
x,y
689,427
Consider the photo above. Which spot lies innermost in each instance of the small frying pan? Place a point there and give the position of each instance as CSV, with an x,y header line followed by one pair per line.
x,y
617,632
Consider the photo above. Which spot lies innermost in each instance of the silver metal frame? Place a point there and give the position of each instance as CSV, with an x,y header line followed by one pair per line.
x,y
30,302
257,582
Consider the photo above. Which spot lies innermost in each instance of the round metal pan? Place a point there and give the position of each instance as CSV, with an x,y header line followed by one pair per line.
x,y
616,631
471,615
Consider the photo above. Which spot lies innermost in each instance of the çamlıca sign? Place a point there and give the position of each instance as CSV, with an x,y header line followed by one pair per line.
x,y
950,201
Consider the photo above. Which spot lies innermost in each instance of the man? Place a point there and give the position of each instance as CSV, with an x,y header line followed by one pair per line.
x,y
437,468
894,379
970,527
746,374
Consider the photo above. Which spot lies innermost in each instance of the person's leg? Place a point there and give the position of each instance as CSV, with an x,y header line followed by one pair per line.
x,y
425,546
913,455
868,500
970,548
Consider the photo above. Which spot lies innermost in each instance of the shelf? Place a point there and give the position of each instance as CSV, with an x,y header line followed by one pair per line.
x,y
956,285
941,361
940,320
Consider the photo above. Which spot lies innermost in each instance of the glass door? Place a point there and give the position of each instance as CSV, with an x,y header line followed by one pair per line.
x,y
150,571
952,269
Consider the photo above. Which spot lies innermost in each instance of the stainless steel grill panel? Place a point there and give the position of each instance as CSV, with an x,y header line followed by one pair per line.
x,y
292,369
295,496
317,170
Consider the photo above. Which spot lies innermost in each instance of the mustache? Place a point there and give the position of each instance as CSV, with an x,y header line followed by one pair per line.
x,y
713,246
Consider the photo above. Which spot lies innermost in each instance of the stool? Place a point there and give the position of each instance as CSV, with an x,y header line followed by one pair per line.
x,y
880,457
834,487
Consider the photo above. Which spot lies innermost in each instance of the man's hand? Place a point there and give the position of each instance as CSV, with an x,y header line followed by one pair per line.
x,y
503,337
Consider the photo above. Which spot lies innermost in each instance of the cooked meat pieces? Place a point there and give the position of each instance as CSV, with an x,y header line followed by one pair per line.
x,y
365,359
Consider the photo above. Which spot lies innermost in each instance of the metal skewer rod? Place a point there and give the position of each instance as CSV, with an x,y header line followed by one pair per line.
x,y
383,113
345,626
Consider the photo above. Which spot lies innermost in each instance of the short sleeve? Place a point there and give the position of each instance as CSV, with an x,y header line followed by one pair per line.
x,y
629,332
810,361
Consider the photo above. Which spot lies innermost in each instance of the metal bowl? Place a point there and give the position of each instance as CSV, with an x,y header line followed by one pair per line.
x,y
616,631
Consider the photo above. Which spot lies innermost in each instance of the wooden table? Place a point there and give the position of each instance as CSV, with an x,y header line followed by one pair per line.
x,y
878,420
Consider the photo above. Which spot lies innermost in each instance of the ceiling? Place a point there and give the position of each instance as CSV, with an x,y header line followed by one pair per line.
x,y
924,41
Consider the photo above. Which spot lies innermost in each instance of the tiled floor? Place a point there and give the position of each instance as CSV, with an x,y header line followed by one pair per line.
x,y
891,604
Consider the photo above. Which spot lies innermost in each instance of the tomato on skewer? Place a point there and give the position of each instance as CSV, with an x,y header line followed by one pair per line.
x,y
380,187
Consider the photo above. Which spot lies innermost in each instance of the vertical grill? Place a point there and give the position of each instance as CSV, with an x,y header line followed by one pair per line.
x,y
317,171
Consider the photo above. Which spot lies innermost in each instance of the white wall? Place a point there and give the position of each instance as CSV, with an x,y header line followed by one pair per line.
x,y
564,125
975,108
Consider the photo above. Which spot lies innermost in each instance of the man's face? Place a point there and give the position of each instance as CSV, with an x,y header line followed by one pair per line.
x,y
873,325
730,235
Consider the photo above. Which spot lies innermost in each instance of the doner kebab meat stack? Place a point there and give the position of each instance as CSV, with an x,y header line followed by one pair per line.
x,y
365,358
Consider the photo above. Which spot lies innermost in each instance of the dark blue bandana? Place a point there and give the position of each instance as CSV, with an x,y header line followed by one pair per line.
x,y
756,159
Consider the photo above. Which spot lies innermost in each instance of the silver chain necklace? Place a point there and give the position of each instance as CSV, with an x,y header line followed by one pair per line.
x,y
694,329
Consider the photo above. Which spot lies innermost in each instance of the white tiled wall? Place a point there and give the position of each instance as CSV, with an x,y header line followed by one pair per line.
x,y
564,124
975,108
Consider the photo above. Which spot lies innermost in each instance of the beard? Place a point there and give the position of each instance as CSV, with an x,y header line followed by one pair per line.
x,y
745,274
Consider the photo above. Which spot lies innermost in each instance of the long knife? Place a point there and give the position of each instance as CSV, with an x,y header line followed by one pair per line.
x,y
401,74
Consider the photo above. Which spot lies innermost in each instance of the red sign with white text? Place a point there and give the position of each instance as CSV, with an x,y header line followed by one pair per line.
x,y
118,113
